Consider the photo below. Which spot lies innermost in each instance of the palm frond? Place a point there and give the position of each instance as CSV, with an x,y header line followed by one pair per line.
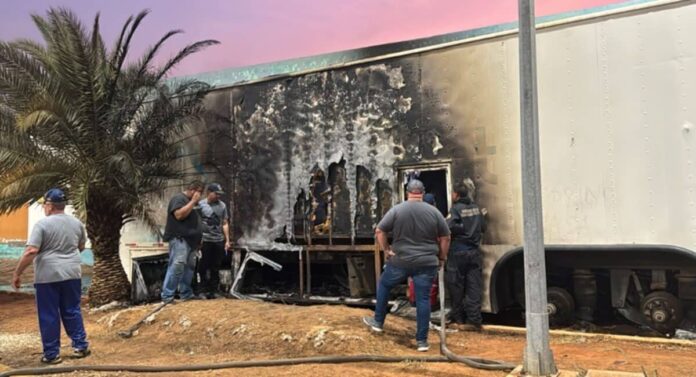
x,y
182,54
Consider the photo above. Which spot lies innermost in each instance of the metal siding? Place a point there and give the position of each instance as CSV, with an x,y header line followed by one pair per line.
x,y
615,151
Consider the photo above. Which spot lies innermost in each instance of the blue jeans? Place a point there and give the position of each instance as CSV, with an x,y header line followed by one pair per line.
x,y
55,303
180,270
422,282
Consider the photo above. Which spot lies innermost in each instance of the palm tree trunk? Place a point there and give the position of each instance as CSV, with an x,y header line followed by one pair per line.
x,y
109,281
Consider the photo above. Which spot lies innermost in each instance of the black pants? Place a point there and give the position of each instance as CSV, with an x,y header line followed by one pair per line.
x,y
465,285
209,266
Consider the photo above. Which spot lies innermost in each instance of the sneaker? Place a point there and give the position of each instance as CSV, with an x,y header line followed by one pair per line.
x,y
422,346
372,324
78,354
213,296
202,296
168,300
55,360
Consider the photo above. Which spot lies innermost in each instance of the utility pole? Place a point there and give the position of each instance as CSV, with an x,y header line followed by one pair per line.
x,y
538,359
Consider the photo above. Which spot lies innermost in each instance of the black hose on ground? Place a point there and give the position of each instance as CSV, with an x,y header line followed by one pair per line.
x,y
232,364
473,362
470,361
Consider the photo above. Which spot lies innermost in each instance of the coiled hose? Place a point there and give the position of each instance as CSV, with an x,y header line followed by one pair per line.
x,y
448,355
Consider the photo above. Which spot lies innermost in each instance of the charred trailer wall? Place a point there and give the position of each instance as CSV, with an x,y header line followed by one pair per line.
x,y
328,145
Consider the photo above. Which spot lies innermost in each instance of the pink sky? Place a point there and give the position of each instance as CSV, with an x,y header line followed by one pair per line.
x,y
260,31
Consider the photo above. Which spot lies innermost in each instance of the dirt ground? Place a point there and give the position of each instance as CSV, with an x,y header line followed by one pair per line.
x,y
212,331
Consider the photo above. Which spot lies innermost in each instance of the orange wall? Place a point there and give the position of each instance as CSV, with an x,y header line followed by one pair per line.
x,y
14,226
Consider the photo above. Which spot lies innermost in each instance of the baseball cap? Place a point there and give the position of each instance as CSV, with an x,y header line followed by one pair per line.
x,y
54,195
216,188
429,198
415,186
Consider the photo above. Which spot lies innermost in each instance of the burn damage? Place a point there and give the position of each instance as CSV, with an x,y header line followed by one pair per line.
x,y
315,156
317,160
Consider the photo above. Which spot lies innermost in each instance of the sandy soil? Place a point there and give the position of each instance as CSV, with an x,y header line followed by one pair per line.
x,y
226,330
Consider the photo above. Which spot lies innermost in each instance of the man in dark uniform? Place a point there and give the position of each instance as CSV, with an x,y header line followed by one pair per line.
x,y
463,269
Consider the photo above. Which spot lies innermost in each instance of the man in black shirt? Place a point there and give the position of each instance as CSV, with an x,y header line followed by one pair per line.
x,y
463,269
183,232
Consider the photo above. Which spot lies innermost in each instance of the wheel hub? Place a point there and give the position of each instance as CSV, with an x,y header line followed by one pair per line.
x,y
663,310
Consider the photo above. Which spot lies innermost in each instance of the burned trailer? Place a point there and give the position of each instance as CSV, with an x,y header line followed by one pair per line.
x,y
316,150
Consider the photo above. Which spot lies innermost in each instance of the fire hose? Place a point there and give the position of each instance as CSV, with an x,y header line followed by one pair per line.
x,y
447,356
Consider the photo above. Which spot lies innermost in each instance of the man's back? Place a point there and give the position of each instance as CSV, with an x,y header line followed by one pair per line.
x,y
415,227
467,225
57,237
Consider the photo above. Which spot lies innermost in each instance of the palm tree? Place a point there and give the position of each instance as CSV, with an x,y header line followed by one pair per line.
x,y
77,115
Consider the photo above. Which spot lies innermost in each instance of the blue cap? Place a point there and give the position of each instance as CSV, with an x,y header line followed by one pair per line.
x,y
54,195
429,198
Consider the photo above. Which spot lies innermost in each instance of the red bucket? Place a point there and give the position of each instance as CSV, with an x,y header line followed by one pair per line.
x,y
433,293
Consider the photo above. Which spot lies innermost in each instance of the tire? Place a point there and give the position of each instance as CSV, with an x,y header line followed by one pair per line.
x,y
561,307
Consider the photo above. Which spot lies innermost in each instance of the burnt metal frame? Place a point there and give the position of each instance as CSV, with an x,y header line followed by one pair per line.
x,y
250,255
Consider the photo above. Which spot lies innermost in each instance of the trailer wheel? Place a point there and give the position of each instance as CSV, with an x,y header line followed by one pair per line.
x,y
663,310
560,306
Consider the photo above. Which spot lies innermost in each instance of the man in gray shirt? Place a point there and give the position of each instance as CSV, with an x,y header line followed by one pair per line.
x,y
54,246
420,241
216,240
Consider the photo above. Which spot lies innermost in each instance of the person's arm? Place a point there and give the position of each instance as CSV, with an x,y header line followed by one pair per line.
x,y
444,244
384,243
83,240
26,259
184,211
226,233
443,239
381,232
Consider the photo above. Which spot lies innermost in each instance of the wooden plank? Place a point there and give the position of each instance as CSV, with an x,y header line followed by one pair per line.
x,y
301,266
309,273
378,263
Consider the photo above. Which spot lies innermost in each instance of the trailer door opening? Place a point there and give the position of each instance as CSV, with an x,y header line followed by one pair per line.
x,y
435,177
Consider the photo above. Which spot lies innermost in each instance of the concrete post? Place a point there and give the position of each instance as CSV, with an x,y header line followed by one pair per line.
x,y
538,359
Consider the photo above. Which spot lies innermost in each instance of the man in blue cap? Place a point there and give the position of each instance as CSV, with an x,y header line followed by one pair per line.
x,y
54,246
